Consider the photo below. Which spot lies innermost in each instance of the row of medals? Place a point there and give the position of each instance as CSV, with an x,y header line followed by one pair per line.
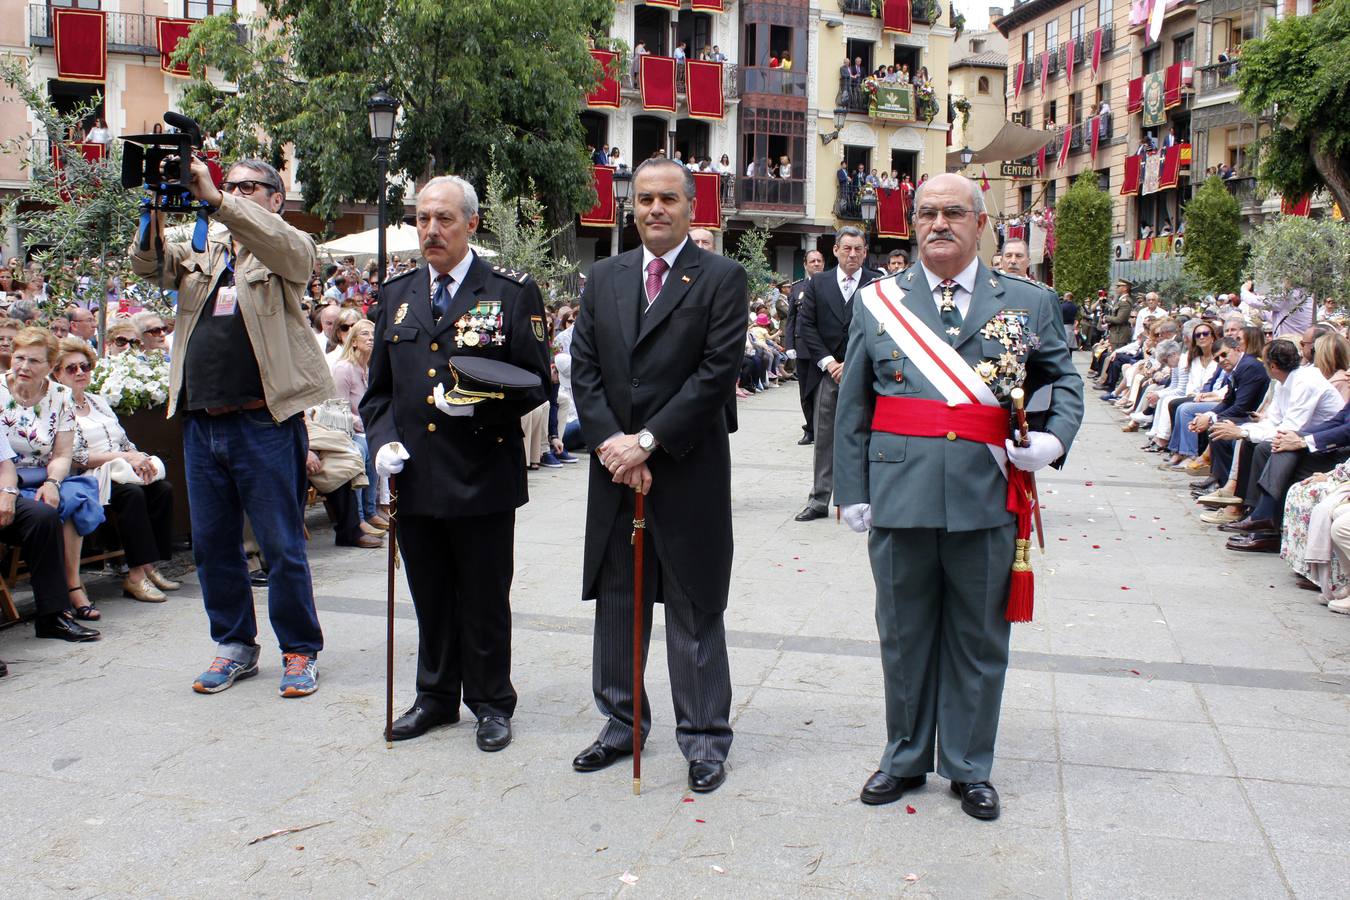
x,y
473,330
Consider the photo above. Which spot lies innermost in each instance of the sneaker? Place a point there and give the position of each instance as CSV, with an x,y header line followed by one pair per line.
x,y
565,457
222,673
549,461
1341,606
1220,497
301,675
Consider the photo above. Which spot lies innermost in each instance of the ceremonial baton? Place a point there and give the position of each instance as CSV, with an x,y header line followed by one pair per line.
x,y
1022,438
389,621
639,526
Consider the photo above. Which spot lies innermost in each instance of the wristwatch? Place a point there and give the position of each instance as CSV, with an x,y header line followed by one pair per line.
x,y
646,440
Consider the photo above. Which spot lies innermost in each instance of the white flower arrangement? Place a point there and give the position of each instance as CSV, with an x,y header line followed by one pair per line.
x,y
132,381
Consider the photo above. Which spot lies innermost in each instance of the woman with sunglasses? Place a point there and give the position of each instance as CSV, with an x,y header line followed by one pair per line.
x,y
347,319
1200,365
129,482
123,337
37,416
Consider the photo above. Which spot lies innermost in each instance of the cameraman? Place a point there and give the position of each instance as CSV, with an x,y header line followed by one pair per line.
x,y
245,369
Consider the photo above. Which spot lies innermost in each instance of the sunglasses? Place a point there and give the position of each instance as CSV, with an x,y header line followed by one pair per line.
x,y
127,342
346,327
156,331
1200,334
247,186
74,368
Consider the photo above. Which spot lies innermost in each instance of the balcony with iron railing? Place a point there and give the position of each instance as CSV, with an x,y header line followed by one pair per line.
x,y
848,203
764,80
1243,189
1218,78
922,12
772,194
730,81
125,32
857,100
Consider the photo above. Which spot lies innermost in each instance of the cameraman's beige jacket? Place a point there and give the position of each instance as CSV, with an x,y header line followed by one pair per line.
x,y
275,263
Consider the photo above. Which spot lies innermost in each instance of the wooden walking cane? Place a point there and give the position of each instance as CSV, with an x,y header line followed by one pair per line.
x,y
639,526
389,621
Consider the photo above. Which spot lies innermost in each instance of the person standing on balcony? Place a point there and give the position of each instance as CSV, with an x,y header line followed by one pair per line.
x,y
785,62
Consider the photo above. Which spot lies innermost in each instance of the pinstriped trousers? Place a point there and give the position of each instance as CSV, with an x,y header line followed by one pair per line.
x,y
696,652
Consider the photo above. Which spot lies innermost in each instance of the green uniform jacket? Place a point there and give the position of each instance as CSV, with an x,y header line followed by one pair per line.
x,y
931,482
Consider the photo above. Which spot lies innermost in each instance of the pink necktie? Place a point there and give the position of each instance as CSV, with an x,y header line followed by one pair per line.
x,y
655,269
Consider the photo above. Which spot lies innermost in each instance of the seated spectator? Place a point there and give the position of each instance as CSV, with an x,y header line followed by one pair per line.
x,y
1306,544
347,318
1184,443
324,320
122,337
9,329
59,326
1331,355
130,482
351,373
37,418
336,470
1169,369
152,331
1199,369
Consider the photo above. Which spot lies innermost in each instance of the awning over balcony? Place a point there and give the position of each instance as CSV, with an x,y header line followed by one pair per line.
x,y
1012,142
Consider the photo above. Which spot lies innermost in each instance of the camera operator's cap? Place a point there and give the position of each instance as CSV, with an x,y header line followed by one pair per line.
x,y
478,379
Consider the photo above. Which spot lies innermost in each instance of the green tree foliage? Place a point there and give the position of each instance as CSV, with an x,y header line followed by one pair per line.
x,y
1215,254
1301,252
518,232
1302,68
474,77
1083,239
753,254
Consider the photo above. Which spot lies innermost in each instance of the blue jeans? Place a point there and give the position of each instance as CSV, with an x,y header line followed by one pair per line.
x,y
366,496
247,464
1184,440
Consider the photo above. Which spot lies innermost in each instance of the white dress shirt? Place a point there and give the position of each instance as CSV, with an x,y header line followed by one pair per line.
x,y
847,292
458,273
648,256
1305,400
965,287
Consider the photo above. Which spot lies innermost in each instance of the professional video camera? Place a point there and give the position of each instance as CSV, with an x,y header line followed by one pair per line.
x,y
161,164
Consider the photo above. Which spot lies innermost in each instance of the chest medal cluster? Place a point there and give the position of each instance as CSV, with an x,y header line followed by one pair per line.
x,y
1010,328
480,326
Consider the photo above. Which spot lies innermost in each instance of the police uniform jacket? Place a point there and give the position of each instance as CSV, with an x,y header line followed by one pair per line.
x,y
459,465
933,482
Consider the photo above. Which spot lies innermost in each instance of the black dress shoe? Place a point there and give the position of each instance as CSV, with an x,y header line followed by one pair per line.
x,y
1241,526
706,775
979,800
417,721
56,625
258,578
599,756
1255,542
1251,526
806,441
882,788
810,514
494,733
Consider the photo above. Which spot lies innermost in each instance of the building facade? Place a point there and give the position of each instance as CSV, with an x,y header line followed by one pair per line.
x,y
978,77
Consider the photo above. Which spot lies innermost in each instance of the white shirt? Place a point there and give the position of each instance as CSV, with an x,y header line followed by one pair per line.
x,y
458,273
839,277
648,256
965,286
1145,316
1305,400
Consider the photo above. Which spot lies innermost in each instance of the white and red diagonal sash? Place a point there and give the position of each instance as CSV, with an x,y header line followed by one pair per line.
x,y
935,359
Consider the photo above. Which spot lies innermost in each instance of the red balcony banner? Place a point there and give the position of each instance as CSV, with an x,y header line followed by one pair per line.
x,y
1299,206
668,4
1096,51
1134,97
81,42
656,79
602,214
893,214
1018,74
703,84
1171,167
1129,185
1068,61
606,93
896,16
1096,135
1040,160
168,32
1045,70
708,6
707,201
1016,233
1065,141
1172,86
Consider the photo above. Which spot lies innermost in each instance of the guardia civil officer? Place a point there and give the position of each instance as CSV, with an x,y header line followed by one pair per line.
x,y
923,461
461,477
808,375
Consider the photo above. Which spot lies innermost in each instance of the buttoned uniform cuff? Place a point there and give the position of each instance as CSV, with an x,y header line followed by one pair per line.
x,y
824,363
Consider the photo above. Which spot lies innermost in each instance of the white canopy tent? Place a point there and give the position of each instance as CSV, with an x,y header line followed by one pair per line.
x,y
400,240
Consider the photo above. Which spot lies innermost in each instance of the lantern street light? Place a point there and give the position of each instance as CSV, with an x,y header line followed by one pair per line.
x,y
623,189
383,110
966,156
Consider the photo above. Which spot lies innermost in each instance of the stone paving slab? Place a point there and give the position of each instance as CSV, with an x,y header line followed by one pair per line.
x,y
1176,724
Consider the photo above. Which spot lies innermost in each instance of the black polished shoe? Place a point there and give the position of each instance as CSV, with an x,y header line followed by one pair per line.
x,y
56,625
706,775
598,756
417,721
882,788
258,578
979,800
810,514
494,733
1255,542
806,441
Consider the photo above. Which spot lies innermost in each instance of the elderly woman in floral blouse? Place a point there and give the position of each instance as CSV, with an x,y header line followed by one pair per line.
x,y
37,417
129,481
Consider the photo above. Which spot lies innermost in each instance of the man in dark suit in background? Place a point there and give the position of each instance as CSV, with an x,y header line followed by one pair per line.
x,y
822,330
1247,387
465,473
655,355
808,376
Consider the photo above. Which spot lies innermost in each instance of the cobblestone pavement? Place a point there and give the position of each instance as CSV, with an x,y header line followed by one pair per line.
x,y
1175,725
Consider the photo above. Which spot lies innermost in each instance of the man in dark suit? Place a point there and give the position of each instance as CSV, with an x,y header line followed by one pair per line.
x,y
1247,387
822,330
656,351
460,477
808,376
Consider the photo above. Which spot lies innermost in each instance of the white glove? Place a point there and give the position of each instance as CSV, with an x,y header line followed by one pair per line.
x,y
389,460
1044,449
448,408
792,354
858,516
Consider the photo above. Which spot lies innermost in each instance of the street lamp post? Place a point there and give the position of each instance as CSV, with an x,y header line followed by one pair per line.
x,y
966,156
869,213
623,189
383,110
